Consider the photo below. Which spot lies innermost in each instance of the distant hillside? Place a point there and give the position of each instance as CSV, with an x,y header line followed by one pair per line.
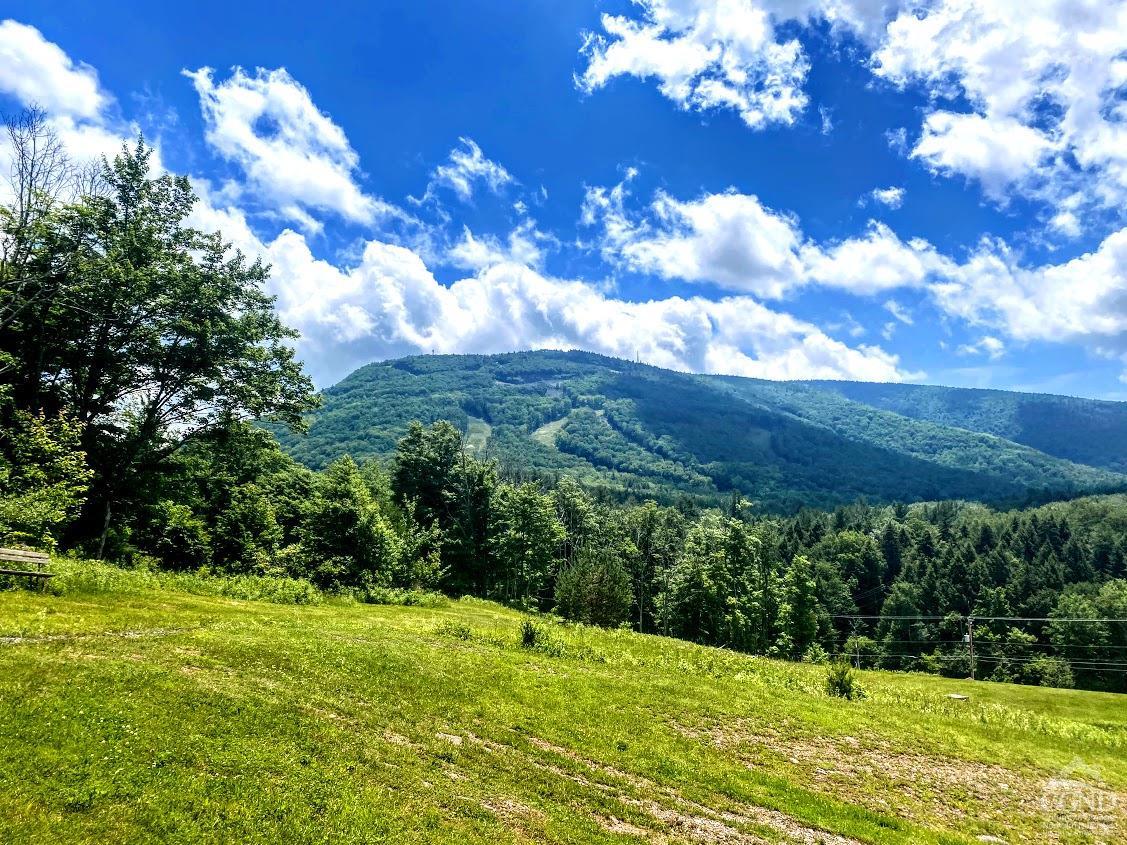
x,y
643,431
1087,431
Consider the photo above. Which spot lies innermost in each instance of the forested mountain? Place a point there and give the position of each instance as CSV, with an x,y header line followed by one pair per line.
x,y
1087,431
640,431
129,435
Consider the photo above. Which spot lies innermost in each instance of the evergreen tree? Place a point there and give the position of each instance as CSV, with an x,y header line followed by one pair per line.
x,y
594,588
526,534
798,613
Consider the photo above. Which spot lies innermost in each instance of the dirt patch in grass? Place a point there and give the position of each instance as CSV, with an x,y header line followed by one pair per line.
x,y
613,825
511,809
125,635
679,819
924,788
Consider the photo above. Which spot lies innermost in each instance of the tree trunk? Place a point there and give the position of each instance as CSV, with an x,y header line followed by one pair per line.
x,y
105,531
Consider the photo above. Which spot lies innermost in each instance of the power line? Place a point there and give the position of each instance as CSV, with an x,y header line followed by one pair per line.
x,y
956,616
1039,619
1089,665
862,616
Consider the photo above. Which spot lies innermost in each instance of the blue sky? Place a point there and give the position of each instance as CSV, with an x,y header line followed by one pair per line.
x,y
777,188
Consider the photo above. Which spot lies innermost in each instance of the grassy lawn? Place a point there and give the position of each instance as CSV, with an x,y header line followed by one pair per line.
x,y
159,715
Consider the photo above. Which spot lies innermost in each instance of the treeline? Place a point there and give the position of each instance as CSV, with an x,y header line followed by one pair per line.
x,y
138,357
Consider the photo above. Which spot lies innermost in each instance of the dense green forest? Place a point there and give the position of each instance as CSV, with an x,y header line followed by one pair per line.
x,y
1087,431
639,431
144,376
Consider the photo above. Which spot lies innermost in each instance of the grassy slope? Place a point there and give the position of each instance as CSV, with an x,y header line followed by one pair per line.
x,y
163,716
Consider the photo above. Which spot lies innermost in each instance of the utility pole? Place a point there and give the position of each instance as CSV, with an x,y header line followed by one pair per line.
x,y
970,644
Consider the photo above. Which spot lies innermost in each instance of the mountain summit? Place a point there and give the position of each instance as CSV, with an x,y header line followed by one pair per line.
x,y
637,430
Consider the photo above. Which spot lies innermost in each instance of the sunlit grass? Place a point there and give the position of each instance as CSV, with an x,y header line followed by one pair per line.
x,y
160,711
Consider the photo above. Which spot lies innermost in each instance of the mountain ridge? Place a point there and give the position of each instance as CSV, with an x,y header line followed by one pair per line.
x,y
635,430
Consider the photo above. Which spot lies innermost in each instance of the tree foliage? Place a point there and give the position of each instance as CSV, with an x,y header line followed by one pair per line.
x,y
145,332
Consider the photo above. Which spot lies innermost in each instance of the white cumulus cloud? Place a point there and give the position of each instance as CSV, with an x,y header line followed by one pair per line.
x,y
1026,96
987,345
704,55
876,262
525,244
388,303
466,168
724,54
37,72
732,240
1082,300
1042,81
892,197
294,156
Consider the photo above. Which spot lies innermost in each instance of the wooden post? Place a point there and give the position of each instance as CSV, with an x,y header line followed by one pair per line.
x,y
970,643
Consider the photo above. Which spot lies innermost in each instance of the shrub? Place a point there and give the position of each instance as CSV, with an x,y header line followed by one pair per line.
x,y
841,682
454,630
595,588
43,478
397,595
531,634
77,577
1049,671
177,536
816,655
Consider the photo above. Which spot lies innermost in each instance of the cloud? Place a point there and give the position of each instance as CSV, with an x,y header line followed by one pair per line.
x,y
826,116
1026,95
1082,300
724,54
704,55
1065,222
467,168
735,242
848,324
728,239
879,261
989,346
525,244
899,312
296,159
892,197
388,303
37,72
732,240
1043,82
998,153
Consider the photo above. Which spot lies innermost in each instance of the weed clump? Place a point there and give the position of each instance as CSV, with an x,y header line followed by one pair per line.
x,y
454,630
532,635
842,682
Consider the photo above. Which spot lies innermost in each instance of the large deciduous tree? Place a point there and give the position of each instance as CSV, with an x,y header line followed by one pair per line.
x,y
143,330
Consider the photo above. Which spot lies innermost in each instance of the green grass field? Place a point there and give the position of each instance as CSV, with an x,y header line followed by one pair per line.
x,y
137,711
